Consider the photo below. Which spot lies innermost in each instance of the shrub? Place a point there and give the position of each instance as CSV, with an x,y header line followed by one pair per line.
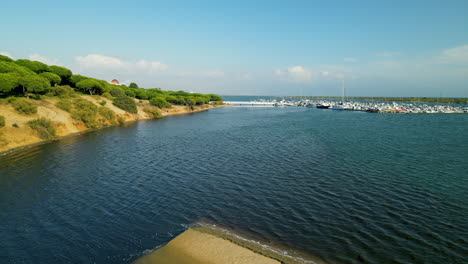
x,y
64,104
44,127
215,97
2,121
108,114
126,103
121,120
152,111
15,125
160,102
85,111
63,91
107,95
103,103
24,106
117,92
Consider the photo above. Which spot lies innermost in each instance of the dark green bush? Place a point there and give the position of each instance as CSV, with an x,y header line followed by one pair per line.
x,y
152,111
44,127
126,103
5,58
63,91
107,95
108,114
85,111
160,102
117,92
2,121
64,104
24,106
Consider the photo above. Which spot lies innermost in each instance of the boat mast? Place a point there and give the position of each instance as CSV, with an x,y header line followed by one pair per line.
x,y
343,95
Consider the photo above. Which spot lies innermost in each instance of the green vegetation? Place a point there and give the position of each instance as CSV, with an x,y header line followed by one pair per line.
x,y
23,105
160,102
34,66
85,111
5,58
22,80
53,78
2,121
108,114
62,72
126,103
152,111
90,86
44,127
64,104
62,91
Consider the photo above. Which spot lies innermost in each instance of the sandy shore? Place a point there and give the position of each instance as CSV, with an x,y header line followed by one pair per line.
x,y
196,247
213,245
13,138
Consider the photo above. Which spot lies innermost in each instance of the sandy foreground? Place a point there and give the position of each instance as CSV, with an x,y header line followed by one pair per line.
x,y
210,245
195,247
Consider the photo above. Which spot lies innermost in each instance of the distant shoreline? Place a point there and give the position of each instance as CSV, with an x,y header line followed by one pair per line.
x,y
394,99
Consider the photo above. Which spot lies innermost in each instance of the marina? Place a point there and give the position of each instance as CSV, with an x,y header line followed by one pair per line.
x,y
363,106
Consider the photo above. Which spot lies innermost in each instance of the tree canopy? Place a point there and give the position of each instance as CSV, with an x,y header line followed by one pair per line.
x,y
52,77
8,82
5,58
34,84
133,85
76,78
90,86
63,72
35,66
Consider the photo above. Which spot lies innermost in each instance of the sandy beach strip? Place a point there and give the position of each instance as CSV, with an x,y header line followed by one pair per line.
x,y
196,247
209,244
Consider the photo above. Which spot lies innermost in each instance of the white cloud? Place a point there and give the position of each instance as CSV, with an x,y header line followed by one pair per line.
x,y
99,61
43,59
457,55
279,72
300,74
151,66
349,59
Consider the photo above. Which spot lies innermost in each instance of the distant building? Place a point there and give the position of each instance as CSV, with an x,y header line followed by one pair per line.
x,y
115,81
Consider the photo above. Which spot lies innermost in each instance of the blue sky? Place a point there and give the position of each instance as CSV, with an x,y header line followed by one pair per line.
x,y
381,48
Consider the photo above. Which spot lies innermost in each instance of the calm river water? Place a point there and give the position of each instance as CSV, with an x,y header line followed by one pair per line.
x,y
348,187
